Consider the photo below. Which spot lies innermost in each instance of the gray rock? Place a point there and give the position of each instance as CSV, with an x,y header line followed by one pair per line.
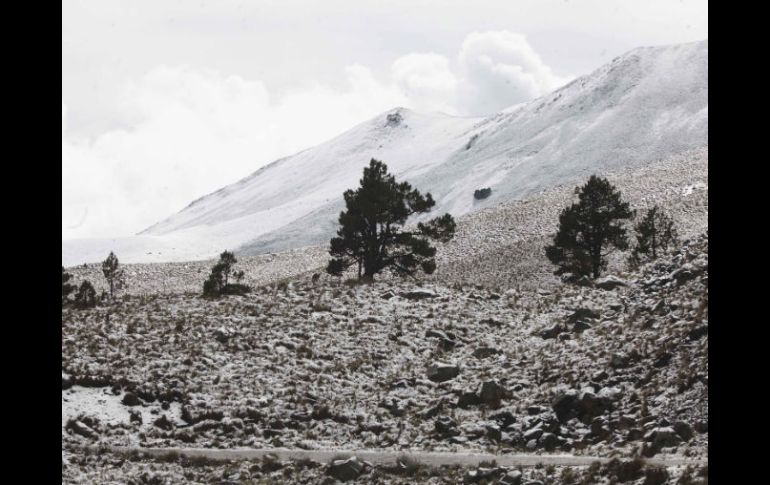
x,y
418,294
582,314
662,437
131,399
484,352
552,332
479,474
684,430
533,433
468,399
445,425
345,470
492,394
549,441
609,282
511,478
440,372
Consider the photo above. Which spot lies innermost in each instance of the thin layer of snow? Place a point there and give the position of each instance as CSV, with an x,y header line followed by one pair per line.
x,y
643,106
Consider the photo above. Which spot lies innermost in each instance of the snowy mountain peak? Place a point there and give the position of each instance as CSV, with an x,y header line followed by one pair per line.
x,y
642,106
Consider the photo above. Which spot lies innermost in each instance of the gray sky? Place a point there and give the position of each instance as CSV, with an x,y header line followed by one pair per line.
x,y
164,101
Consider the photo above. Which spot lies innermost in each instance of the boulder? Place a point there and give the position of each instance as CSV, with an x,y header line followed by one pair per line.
x,y
684,430
446,426
552,332
549,441
131,399
346,470
440,372
662,437
484,352
418,294
479,474
491,394
504,418
511,478
468,399
609,282
582,314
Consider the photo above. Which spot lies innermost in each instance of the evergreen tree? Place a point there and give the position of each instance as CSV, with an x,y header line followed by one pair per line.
x,y
113,273
655,233
589,227
86,295
371,234
66,287
218,282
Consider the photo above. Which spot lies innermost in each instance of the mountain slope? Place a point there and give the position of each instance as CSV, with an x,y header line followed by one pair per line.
x,y
645,105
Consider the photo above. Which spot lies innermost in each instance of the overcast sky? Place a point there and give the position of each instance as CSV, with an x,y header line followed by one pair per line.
x,y
164,101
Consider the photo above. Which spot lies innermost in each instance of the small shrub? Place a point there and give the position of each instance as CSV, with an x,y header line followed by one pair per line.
x,y
480,194
86,295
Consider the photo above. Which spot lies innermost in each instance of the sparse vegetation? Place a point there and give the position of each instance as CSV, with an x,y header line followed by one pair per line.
x,y
85,297
66,287
655,234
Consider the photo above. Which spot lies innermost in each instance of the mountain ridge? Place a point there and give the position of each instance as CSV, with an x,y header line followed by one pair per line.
x,y
642,106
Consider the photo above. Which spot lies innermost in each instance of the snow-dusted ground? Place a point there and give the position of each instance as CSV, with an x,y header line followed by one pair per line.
x,y
648,104
330,365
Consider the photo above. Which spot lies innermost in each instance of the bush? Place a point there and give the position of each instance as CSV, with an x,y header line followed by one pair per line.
x,y
482,193
86,295
218,283
66,288
655,233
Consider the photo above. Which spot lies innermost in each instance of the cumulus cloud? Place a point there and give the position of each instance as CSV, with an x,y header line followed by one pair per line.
x,y
501,69
192,131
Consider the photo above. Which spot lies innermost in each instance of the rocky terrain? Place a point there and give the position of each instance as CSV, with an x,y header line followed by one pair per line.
x,y
492,353
620,368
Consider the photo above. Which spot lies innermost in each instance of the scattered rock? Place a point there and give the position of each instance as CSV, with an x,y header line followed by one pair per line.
x,y
552,332
609,282
511,478
346,470
484,352
468,399
418,294
131,399
491,394
440,372
582,314
684,430
662,437
163,423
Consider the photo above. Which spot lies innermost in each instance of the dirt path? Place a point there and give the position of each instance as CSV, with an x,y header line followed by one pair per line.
x,y
384,457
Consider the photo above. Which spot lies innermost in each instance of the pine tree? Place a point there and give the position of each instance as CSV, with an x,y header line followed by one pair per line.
x,y
589,227
113,273
66,287
86,295
218,282
371,235
655,233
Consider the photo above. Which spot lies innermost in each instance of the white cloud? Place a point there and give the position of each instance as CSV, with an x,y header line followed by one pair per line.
x,y
191,131
501,69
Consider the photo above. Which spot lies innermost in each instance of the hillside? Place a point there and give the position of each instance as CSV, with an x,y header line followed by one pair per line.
x,y
646,105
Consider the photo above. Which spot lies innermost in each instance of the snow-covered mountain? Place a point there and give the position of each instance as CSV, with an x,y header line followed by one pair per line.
x,y
645,105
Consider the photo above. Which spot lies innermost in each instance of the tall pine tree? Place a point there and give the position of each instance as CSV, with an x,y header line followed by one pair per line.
x,y
589,228
113,273
371,236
